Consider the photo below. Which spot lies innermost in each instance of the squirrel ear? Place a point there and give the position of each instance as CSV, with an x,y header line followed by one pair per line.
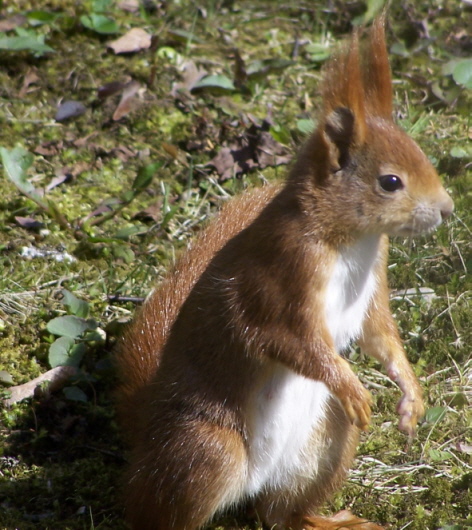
x,y
339,131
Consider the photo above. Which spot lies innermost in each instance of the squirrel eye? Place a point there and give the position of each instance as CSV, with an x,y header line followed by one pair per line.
x,y
390,182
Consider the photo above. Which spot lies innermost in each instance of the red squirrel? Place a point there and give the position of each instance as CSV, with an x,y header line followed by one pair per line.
x,y
234,387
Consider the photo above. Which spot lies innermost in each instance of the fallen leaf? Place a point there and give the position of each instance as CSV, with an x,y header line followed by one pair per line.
x,y
81,142
123,153
152,213
134,40
48,148
30,78
69,109
63,176
172,150
105,207
464,448
7,24
110,89
191,75
132,6
256,148
233,161
128,100
270,152
29,223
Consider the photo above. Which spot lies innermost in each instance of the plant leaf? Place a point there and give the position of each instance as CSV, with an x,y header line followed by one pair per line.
x,y
462,73
373,7
30,42
100,24
435,414
77,307
16,163
215,81
144,177
59,352
64,351
306,126
261,68
459,152
38,17
439,456
70,326
6,378
74,393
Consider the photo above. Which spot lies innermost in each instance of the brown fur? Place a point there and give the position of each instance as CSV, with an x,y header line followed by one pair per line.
x,y
250,294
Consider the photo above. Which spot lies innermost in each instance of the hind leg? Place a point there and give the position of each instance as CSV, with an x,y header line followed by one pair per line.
x,y
181,477
324,466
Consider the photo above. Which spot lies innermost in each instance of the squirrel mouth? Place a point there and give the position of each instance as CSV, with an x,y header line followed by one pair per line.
x,y
417,229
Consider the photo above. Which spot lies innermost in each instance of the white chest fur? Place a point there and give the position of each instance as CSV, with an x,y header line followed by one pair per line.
x,y
284,410
350,289
285,407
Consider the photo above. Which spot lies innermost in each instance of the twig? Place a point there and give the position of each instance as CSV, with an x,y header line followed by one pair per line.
x,y
118,298
53,380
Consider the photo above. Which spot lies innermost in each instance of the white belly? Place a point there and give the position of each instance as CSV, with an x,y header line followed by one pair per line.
x,y
285,407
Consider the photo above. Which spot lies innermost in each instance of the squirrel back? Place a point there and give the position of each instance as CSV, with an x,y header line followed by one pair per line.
x,y
138,351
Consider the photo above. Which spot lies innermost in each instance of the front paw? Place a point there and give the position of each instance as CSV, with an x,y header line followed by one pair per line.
x,y
410,407
356,401
411,410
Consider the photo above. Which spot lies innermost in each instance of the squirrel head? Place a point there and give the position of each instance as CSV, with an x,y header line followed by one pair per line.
x,y
361,159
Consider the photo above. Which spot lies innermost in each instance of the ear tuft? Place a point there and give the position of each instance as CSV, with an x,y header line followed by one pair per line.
x,y
376,72
340,130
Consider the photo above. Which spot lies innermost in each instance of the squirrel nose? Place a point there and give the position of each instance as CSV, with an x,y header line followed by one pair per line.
x,y
446,206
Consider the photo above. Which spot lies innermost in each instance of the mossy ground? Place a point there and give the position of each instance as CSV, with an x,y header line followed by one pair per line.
x,y
61,459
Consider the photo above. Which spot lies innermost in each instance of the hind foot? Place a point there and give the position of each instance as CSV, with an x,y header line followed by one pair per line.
x,y
343,520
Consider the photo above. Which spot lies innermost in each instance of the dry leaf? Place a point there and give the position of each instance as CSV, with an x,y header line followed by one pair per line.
x,y
132,6
135,40
29,223
81,142
63,175
152,213
256,148
112,88
172,150
13,22
128,101
69,109
31,77
176,153
464,448
234,160
48,148
123,153
191,74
